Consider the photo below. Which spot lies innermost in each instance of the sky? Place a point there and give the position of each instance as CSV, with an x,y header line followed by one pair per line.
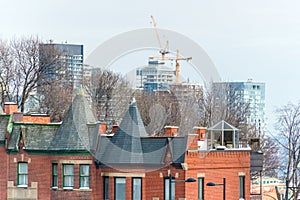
x,y
257,39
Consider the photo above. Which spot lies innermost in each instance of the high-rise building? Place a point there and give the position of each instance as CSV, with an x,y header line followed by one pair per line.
x,y
254,94
155,76
71,56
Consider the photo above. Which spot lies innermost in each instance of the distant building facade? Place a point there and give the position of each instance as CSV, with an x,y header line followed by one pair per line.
x,y
254,94
71,56
155,76
186,90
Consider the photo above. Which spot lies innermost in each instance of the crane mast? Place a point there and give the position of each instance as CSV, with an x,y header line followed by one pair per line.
x,y
164,51
177,64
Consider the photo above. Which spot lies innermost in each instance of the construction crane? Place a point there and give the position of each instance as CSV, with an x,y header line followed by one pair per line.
x,y
162,51
177,65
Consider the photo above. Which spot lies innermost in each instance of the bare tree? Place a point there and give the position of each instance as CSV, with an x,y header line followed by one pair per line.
x,y
221,102
54,99
158,109
22,68
110,94
6,72
190,108
173,107
288,137
271,152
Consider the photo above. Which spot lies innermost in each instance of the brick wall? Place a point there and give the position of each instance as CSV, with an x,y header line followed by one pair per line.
x,y
152,182
40,171
214,166
3,167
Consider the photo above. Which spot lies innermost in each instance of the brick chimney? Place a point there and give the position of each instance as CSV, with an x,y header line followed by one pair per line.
x,y
102,128
10,107
201,132
196,140
114,128
171,131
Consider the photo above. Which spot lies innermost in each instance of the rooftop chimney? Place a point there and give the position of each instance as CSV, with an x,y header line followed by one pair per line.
x,y
171,131
196,140
201,132
102,128
114,128
10,107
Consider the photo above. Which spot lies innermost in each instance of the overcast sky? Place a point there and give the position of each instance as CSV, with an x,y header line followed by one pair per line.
x,y
258,39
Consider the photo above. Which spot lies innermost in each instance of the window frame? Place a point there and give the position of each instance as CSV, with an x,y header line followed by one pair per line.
x,y
106,188
68,175
82,176
241,187
115,188
200,188
25,174
54,175
140,188
166,189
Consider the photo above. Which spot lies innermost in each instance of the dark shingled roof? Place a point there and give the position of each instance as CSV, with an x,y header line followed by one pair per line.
x,y
74,132
125,146
178,148
131,145
14,138
3,126
34,137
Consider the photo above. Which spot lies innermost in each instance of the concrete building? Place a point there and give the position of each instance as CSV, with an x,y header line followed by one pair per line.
x,y
71,56
155,76
186,90
76,159
254,94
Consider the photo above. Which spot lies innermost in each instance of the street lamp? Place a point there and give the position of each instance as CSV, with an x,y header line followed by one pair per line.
x,y
188,180
223,184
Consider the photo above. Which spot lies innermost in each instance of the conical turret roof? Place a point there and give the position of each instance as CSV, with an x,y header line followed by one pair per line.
x,y
126,146
73,134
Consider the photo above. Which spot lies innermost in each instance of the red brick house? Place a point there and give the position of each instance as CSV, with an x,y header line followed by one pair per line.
x,y
76,160
47,161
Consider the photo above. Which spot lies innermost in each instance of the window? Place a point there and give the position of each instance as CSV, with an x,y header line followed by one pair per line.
x,y
120,188
106,188
200,188
242,187
136,188
167,189
68,176
84,176
22,174
54,175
